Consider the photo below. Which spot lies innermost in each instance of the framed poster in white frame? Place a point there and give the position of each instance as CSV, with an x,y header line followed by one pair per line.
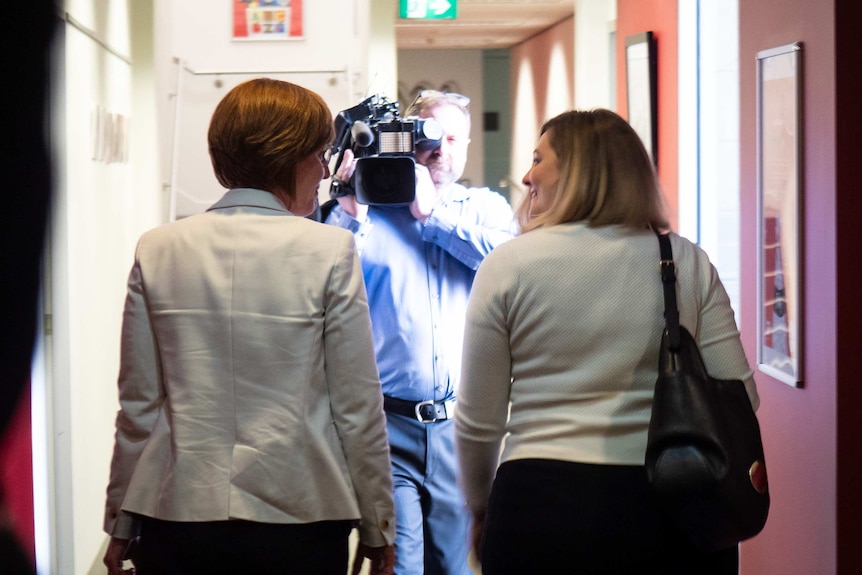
x,y
779,213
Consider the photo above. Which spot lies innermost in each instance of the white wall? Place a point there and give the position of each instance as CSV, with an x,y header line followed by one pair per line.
x,y
99,209
595,68
198,61
709,134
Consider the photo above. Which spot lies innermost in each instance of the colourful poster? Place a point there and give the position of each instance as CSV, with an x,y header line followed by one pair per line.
x,y
267,19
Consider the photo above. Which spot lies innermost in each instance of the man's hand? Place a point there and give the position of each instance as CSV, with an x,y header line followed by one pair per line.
x,y
353,208
426,194
382,559
348,203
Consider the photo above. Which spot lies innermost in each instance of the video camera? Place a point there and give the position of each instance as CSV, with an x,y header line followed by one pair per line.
x,y
384,145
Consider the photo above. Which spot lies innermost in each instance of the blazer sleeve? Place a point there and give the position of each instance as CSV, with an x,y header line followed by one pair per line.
x,y
357,400
141,394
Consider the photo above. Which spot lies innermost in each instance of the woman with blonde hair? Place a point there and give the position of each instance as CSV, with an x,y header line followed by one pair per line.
x,y
251,436
561,356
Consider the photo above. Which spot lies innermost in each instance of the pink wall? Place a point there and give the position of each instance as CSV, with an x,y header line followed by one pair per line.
x,y
538,92
537,53
811,435
659,17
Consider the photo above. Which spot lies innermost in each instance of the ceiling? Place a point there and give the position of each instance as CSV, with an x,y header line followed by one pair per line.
x,y
483,24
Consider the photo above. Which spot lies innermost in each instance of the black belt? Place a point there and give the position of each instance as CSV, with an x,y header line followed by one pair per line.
x,y
425,411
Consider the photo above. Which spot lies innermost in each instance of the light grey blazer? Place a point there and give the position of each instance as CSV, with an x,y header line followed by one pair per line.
x,y
248,386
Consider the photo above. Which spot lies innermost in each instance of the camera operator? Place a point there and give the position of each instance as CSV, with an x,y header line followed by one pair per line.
x,y
419,261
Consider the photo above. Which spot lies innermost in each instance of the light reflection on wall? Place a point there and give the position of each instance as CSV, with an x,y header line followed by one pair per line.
x,y
525,126
559,94
542,69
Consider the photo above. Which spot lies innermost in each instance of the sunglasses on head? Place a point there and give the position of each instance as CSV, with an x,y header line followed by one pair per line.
x,y
458,99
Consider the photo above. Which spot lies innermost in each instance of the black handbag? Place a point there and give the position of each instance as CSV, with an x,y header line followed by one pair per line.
x,y
704,456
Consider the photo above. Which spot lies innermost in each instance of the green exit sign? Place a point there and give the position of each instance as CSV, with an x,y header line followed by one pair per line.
x,y
428,9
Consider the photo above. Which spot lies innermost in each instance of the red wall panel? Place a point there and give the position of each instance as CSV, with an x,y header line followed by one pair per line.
x,y
660,18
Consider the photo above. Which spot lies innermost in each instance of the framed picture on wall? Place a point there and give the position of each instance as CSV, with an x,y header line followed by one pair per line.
x,y
641,81
779,201
267,20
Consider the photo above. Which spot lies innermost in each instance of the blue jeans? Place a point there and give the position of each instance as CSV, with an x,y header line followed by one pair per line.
x,y
431,516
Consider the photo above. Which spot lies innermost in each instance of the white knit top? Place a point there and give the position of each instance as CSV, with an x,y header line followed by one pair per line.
x,y
563,326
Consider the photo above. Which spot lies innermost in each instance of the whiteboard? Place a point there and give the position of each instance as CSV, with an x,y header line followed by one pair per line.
x,y
194,186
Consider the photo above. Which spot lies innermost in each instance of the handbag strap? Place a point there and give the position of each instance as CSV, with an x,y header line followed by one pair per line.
x,y
668,280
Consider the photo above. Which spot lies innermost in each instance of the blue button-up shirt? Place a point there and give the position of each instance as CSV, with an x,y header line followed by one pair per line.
x,y
418,278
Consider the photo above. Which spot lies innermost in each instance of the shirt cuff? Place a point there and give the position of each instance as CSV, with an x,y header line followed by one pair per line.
x,y
126,526
438,228
344,220
378,535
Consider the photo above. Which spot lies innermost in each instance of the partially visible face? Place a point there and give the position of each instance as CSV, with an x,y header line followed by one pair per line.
x,y
309,172
447,162
542,176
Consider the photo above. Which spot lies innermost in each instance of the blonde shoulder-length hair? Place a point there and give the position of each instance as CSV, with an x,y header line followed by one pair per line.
x,y
606,175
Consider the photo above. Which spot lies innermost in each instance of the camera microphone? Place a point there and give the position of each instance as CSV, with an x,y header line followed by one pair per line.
x,y
362,134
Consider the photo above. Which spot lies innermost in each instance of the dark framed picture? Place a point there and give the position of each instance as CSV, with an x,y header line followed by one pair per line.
x,y
641,82
779,202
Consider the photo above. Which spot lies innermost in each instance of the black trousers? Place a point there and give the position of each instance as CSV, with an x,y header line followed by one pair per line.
x,y
236,547
555,517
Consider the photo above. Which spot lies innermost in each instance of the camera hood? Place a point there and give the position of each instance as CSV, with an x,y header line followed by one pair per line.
x,y
389,180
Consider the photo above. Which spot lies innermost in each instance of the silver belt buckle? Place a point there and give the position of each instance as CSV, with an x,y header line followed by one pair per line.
x,y
418,408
